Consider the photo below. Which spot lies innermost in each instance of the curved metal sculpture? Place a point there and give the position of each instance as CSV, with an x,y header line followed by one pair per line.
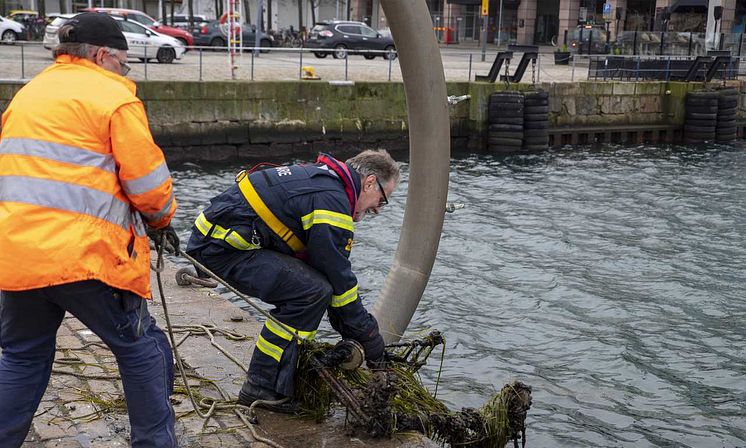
x,y
430,141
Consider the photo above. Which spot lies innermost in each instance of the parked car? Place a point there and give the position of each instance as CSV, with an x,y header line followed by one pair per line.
x,y
51,39
10,31
145,20
182,21
145,43
215,34
579,38
344,37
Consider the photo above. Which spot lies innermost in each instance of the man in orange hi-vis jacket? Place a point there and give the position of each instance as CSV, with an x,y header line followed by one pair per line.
x,y
81,185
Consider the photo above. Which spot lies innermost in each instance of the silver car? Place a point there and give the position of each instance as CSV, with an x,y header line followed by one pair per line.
x,y
10,31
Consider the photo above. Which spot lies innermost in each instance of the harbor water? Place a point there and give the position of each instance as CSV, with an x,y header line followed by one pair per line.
x,y
610,279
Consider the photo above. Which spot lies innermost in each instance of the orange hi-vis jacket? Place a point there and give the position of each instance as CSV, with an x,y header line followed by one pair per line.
x,y
79,173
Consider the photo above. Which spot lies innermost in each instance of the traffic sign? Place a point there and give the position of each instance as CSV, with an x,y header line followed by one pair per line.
x,y
607,11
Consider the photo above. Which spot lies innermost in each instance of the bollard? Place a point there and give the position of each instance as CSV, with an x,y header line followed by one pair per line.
x,y
23,64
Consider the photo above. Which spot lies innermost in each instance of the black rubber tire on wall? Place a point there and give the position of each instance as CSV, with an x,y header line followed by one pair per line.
x,y
511,142
536,125
536,109
507,120
535,117
506,134
698,129
692,122
505,127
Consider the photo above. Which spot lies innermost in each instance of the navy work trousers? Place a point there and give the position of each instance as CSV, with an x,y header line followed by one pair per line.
x,y
28,328
300,294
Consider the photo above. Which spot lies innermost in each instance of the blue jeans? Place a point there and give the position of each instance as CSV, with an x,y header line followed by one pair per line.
x,y
28,328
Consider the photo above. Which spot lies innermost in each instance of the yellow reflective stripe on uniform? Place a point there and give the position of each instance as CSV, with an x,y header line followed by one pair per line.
x,y
282,332
269,218
269,348
346,297
335,219
221,233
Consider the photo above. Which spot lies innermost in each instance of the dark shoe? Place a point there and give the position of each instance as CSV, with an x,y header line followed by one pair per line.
x,y
251,393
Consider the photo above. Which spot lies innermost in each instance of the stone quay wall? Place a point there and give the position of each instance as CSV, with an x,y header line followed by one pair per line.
x,y
221,120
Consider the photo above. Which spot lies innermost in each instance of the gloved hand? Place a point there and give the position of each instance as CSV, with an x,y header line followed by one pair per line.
x,y
172,239
374,351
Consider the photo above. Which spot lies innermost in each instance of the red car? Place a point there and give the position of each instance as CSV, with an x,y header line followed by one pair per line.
x,y
145,20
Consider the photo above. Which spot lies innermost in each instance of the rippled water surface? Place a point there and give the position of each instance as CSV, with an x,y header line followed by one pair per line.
x,y
611,280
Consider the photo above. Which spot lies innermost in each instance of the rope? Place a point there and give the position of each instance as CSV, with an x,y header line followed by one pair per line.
x,y
243,296
226,403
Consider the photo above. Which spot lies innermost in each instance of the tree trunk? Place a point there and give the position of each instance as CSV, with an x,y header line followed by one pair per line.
x,y
269,15
173,7
313,11
190,6
42,9
300,16
163,11
2,8
246,12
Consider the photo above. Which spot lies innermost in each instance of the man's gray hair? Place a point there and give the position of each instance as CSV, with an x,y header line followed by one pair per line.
x,y
377,162
74,49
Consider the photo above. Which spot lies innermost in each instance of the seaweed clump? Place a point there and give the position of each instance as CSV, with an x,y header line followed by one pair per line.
x,y
392,399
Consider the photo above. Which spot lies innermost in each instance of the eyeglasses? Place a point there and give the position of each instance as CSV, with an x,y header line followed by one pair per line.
x,y
384,200
124,67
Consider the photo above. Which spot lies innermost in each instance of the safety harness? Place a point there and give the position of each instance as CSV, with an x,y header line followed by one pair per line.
x,y
273,222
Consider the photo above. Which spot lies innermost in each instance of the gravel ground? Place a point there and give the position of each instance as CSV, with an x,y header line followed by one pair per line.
x,y
24,60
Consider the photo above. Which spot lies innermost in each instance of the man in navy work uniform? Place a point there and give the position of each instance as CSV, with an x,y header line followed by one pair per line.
x,y
284,235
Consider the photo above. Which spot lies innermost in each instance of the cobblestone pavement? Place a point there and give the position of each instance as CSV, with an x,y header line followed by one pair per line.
x,y
459,63
84,403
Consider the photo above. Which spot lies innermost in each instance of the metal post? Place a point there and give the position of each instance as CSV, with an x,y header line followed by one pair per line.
x,y
500,24
484,37
663,40
200,64
634,44
720,44
689,51
391,63
146,62
23,64
347,58
300,63
252,65
668,68
469,78
740,43
259,21
538,71
637,69
572,76
590,41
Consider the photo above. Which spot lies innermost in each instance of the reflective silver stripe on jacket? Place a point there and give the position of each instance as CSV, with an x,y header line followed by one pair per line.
x,y
57,152
70,197
147,182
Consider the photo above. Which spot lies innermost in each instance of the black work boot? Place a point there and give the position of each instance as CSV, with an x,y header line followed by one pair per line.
x,y
251,392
